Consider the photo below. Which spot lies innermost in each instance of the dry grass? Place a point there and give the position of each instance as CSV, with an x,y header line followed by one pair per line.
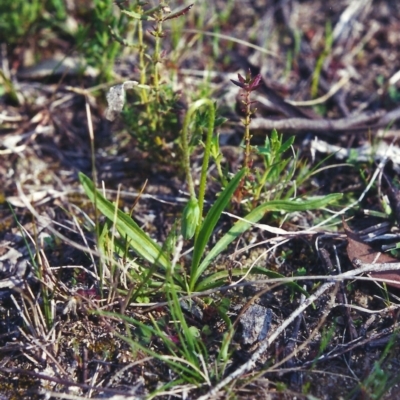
x,y
78,319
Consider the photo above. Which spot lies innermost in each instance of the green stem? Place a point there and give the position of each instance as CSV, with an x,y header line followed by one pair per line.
x,y
206,158
158,34
186,154
247,136
142,62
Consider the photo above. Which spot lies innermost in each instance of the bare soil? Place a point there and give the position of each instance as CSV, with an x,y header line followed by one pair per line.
x,y
45,143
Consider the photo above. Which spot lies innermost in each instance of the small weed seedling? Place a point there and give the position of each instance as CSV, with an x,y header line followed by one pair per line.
x,y
379,380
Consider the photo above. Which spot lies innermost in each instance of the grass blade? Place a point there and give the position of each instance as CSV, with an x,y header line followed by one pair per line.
x,y
255,215
209,223
221,278
143,245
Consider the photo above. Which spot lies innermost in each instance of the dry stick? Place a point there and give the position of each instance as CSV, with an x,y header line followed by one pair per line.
x,y
342,298
353,345
383,311
250,364
59,235
388,118
378,170
331,304
322,126
331,92
369,120
352,274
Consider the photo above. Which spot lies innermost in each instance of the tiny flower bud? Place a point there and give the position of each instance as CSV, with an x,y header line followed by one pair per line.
x,y
190,218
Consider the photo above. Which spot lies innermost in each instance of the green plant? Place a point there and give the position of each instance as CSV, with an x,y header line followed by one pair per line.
x,y
193,223
274,165
17,18
184,350
150,271
151,252
379,380
193,212
321,59
275,172
152,116
36,258
243,225
94,40
20,20
248,84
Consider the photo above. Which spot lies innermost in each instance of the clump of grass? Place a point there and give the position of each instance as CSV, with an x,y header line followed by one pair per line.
x,y
95,42
18,19
192,279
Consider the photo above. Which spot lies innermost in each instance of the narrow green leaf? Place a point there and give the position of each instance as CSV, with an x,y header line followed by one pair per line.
x,y
187,341
254,216
185,369
220,279
286,145
208,225
135,15
143,245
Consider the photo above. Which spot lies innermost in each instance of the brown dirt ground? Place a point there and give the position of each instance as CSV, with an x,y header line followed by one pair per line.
x,y
46,143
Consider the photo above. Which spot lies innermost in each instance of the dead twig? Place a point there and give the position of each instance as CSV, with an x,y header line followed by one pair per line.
x,y
369,120
250,364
